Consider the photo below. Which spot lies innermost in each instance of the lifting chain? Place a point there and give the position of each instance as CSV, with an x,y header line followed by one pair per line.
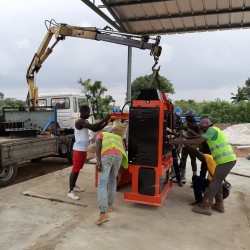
x,y
156,52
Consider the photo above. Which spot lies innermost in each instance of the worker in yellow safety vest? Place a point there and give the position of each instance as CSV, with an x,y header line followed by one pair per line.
x,y
110,156
224,158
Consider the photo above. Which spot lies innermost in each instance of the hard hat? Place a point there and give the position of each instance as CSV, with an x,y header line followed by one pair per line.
x,y
115,110
191,113
178,111
205,123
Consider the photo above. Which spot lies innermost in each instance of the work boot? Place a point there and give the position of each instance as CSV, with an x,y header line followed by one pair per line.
x,y
172,173
103,218
110,208
219,205
179,182
183,175
205,207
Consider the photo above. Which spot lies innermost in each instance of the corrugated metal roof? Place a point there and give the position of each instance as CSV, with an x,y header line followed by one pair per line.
x,y
179,16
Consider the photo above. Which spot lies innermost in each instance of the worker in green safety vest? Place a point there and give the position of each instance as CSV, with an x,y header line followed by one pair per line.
x,y
224,158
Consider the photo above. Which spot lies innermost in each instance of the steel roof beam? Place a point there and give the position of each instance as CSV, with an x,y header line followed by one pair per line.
x,y
197,29
135,2
103,15
174,16
114,15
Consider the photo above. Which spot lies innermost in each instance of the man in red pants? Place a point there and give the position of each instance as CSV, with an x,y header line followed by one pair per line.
x,y
80,146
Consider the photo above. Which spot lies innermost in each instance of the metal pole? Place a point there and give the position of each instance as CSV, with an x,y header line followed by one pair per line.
x,y
129,67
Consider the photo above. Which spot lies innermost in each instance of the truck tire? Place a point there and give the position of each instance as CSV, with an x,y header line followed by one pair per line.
x,y
7,174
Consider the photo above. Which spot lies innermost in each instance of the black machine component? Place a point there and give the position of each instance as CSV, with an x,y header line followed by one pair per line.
x,y
5,127
149,94
143,136
146,183
23,132
166,124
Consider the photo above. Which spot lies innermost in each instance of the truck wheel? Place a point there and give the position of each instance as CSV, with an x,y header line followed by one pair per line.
x,y
7,174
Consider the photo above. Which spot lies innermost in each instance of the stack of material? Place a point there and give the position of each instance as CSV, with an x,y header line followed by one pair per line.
x,y
238,134
120,128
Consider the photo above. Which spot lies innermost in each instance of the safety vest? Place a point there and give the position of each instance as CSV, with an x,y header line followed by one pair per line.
x,y
110,141
221,149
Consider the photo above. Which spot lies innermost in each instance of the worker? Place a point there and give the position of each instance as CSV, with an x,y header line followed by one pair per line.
x,y
224,158
189,127
110,156
80,146
200,183
204,148
177,127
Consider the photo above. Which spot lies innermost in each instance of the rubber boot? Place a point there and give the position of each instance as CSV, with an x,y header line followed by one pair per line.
x,y
205,207
179,182
219,205
172,173
183,175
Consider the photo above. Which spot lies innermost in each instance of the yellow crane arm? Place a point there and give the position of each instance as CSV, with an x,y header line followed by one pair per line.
x,y
61,31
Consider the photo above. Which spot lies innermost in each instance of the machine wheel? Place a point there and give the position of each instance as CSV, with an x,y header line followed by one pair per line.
x,y
7,174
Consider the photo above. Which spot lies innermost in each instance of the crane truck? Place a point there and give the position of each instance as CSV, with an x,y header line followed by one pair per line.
x,y
34,131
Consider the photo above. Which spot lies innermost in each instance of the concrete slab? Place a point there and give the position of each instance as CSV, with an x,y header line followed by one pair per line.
x,y
34,223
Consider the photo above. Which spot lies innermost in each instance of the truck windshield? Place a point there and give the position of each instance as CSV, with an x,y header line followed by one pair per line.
x,y
61,103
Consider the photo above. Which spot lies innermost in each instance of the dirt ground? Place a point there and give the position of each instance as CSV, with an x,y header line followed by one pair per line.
x,y
32,170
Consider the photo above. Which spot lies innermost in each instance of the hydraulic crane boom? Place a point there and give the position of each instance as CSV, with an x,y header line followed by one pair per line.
x,y
61,31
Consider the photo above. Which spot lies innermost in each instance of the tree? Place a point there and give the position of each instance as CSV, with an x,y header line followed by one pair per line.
x,y
101,104
247,88
11,102
145,82
1,96
240,96
186,105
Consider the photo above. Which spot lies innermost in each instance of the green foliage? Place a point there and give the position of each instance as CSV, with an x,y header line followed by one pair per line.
x,y
241,95
218,111
145,82
186,105
247,88
101,104
11,102
1,96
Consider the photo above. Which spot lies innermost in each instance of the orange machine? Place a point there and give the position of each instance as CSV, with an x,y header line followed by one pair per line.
x,y
149,152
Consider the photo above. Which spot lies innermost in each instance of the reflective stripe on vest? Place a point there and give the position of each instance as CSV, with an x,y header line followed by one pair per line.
x,y
221,149
224,154
110,141
220,145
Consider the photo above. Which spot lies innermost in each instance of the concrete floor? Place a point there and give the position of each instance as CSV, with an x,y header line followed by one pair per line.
x,y
53,221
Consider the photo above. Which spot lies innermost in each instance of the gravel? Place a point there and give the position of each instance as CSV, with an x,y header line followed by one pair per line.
x,y
238,134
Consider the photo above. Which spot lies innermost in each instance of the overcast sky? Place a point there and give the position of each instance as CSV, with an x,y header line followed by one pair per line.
x,y
201,66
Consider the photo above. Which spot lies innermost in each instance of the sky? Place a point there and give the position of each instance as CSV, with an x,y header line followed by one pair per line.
x,y
201,66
